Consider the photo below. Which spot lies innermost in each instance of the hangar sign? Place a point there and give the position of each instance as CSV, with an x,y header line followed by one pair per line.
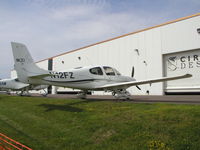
x,y
183,62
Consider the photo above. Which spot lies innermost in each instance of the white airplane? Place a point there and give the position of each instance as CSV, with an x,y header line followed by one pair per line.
x,y
20,88
90,78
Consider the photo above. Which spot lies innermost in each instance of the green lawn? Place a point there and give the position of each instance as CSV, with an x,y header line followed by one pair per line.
x,y
66,124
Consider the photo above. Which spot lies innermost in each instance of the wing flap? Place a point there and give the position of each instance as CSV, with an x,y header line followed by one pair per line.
x,y
134,83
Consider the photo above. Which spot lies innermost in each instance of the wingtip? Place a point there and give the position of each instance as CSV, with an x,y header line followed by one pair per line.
x,y
188,75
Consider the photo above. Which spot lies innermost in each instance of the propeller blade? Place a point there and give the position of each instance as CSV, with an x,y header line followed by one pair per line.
x,y
138,87
132,75
133,72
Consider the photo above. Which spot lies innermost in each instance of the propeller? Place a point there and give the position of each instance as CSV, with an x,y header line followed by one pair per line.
x,y
132,75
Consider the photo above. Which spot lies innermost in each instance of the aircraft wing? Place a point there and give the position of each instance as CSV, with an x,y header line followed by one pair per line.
x,y
134,83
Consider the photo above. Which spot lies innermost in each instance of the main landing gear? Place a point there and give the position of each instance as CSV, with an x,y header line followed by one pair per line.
x,y
82,94
121,94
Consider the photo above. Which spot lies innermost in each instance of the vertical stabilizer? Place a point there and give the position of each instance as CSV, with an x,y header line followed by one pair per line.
x,y
24,64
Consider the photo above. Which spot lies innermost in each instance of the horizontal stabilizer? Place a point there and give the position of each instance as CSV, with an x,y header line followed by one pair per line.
x,y
39,76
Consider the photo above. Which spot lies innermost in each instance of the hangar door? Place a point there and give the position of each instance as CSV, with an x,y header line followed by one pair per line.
x,y
181,63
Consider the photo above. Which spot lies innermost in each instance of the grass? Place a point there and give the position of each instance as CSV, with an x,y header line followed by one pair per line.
x,y
69,124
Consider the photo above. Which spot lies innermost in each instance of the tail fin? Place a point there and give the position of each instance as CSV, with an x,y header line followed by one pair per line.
x,y
24,64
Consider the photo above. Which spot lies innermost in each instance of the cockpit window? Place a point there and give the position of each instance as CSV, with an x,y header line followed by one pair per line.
x,y
96,71
109,71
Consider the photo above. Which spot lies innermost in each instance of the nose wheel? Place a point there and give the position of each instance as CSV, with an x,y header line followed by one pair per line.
x,y
121,94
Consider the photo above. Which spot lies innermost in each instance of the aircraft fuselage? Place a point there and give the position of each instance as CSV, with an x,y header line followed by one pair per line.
x,y
88,78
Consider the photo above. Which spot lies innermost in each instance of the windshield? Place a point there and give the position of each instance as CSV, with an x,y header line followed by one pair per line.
x,y
109,71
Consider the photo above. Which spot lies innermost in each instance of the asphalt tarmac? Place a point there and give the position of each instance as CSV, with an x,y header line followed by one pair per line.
x,y
177,99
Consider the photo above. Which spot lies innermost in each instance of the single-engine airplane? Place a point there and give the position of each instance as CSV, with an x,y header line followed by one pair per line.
x,y
20,88
90,78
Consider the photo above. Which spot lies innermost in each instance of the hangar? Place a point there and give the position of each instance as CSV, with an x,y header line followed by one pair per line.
x,y
172,48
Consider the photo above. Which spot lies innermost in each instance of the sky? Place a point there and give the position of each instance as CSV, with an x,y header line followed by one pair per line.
x,y
52,27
